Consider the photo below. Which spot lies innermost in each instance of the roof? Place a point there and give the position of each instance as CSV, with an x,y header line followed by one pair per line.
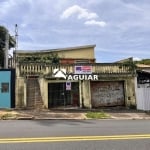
x,y
143,66
124,60
146,71
51,50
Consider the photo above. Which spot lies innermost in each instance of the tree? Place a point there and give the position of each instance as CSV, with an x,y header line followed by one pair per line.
x,y
144,61
11,43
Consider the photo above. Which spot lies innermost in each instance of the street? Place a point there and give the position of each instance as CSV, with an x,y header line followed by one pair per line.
x,y
75,134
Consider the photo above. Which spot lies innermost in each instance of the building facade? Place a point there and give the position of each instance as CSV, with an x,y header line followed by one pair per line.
x,y
71,77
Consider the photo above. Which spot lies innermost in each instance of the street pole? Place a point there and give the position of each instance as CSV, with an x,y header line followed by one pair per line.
x,y
16,45
6,50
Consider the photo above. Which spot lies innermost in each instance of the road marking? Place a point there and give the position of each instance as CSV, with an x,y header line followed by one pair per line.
x,y
74,138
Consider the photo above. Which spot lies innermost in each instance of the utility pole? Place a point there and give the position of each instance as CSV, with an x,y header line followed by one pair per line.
x,y
16,46
16,36
6,50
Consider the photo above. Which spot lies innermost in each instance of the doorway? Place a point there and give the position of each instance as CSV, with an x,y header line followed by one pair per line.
x,y
59,96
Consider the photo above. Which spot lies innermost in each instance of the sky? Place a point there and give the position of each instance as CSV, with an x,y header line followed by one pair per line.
x,y
119,28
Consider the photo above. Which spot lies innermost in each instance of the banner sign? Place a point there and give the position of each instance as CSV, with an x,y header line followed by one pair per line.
x,y
83,69
81,73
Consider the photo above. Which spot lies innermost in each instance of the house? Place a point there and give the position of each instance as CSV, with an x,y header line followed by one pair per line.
x,y
71,77
7,86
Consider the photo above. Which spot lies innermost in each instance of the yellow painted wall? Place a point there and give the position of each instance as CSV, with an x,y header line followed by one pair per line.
x,y
75,53
130,92
20,92
44,91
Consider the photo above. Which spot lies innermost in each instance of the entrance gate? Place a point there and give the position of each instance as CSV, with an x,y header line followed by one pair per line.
x,y
59,96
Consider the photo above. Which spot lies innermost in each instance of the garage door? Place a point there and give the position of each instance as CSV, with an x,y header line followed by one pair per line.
x,y
107,94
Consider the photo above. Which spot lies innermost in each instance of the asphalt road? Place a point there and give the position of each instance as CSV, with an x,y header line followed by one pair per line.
x,y
75,135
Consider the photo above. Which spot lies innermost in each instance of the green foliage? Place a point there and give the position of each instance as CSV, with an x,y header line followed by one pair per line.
x,y
2,37
2,45
49,58
130,64
97,115
7,116
3,32
144,61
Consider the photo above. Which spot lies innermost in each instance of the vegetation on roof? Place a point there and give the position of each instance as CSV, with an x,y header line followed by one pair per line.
x,y
130,64
133,64
144,61
49,58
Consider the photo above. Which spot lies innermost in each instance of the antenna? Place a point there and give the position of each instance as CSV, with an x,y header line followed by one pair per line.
x,y
16,36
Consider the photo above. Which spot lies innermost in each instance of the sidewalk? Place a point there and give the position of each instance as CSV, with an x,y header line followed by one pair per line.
x,y
69,114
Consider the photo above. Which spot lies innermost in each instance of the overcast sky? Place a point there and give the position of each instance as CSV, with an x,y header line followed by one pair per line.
x,y
119,28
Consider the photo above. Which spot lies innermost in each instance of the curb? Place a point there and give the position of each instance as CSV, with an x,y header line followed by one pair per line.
x,y
32,118
25,118
113,118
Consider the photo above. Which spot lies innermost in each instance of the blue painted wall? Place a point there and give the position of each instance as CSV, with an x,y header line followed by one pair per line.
x,y
5,97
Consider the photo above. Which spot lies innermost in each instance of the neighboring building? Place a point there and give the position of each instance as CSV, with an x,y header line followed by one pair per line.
x,y
71,77
7,88
143,87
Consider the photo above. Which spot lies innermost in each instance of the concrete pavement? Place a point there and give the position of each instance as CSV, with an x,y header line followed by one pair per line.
x,y
70,114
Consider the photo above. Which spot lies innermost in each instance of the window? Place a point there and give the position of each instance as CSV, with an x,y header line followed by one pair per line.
x,y
4,87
